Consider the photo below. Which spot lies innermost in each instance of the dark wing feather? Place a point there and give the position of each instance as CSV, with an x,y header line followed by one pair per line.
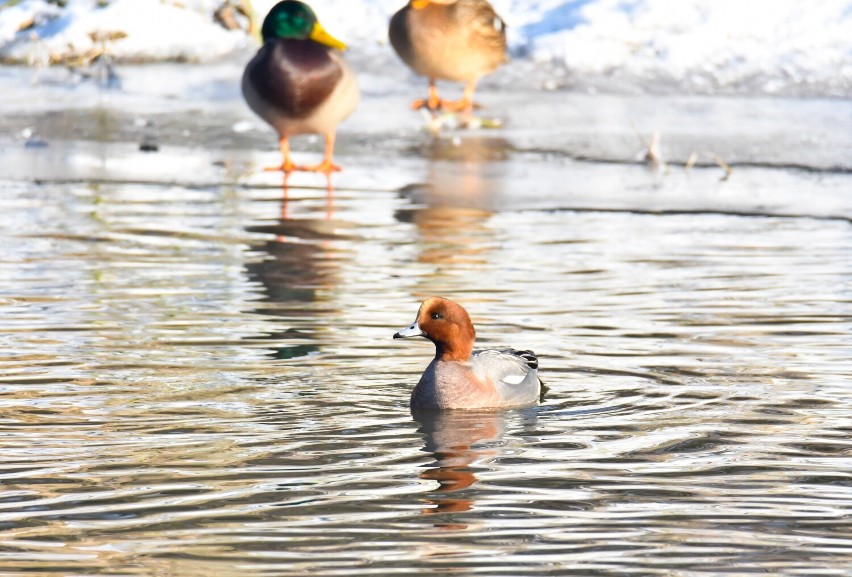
x,y
400,35
528,356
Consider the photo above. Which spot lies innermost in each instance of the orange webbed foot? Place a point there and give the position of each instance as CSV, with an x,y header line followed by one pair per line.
x,y
456,105
286,168
444,105
326,167
427,103
432,103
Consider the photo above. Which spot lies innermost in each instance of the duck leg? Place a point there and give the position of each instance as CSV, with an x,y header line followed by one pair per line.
x,y
287,166
326,166
433,102
465,105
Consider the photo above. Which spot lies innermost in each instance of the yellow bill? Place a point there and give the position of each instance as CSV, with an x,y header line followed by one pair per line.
x,y
318,34
420,4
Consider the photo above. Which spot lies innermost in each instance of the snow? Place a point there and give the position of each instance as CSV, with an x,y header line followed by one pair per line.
x,y
760,46
155,30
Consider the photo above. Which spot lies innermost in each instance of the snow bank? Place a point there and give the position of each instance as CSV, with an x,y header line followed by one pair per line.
x,y
154,29
720,43
762,46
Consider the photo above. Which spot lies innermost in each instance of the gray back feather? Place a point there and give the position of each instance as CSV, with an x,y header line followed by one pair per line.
x,y
512,372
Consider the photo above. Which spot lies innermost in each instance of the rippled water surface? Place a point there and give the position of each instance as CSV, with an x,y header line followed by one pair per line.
x,y
201,380
204,381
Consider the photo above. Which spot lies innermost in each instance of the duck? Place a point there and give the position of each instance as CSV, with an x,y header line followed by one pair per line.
x,y
456,40
299,83
462,378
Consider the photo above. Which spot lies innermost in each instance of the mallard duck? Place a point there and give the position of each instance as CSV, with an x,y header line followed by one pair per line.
x,y
298,82
458,40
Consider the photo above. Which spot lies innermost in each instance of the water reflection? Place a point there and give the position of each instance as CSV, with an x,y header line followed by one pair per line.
x,y
452,213
449,234
470,148
697,419
458,440
298,267
285,196
467,172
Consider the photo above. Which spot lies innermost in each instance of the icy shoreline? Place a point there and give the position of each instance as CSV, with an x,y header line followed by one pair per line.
x,y
784,47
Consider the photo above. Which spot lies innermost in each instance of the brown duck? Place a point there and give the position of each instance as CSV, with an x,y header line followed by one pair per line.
x,y
457,40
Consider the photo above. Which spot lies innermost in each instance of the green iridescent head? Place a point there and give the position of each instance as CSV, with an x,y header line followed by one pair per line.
x,y
293,20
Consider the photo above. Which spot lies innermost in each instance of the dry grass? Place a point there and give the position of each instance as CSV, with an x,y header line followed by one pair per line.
x,y
652,154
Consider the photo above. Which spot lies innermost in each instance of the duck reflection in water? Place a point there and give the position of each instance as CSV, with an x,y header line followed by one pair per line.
x,y
285,197
467,171
452,212
297,270
458,440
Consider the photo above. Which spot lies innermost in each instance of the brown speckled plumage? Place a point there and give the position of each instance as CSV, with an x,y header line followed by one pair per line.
x,y
462,41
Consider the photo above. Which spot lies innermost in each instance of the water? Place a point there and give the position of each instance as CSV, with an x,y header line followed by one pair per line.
x,y
195,382
197,374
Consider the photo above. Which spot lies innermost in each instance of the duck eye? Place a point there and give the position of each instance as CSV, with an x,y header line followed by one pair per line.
x,y
437,316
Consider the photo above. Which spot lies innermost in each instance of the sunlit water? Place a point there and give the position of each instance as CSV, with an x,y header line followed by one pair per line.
x,y
202,381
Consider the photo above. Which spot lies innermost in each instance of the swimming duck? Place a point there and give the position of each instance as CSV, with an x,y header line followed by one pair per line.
x,y
298,82
458,40
461,378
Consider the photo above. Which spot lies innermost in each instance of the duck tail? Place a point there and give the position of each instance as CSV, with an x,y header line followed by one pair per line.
x,y
529,356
